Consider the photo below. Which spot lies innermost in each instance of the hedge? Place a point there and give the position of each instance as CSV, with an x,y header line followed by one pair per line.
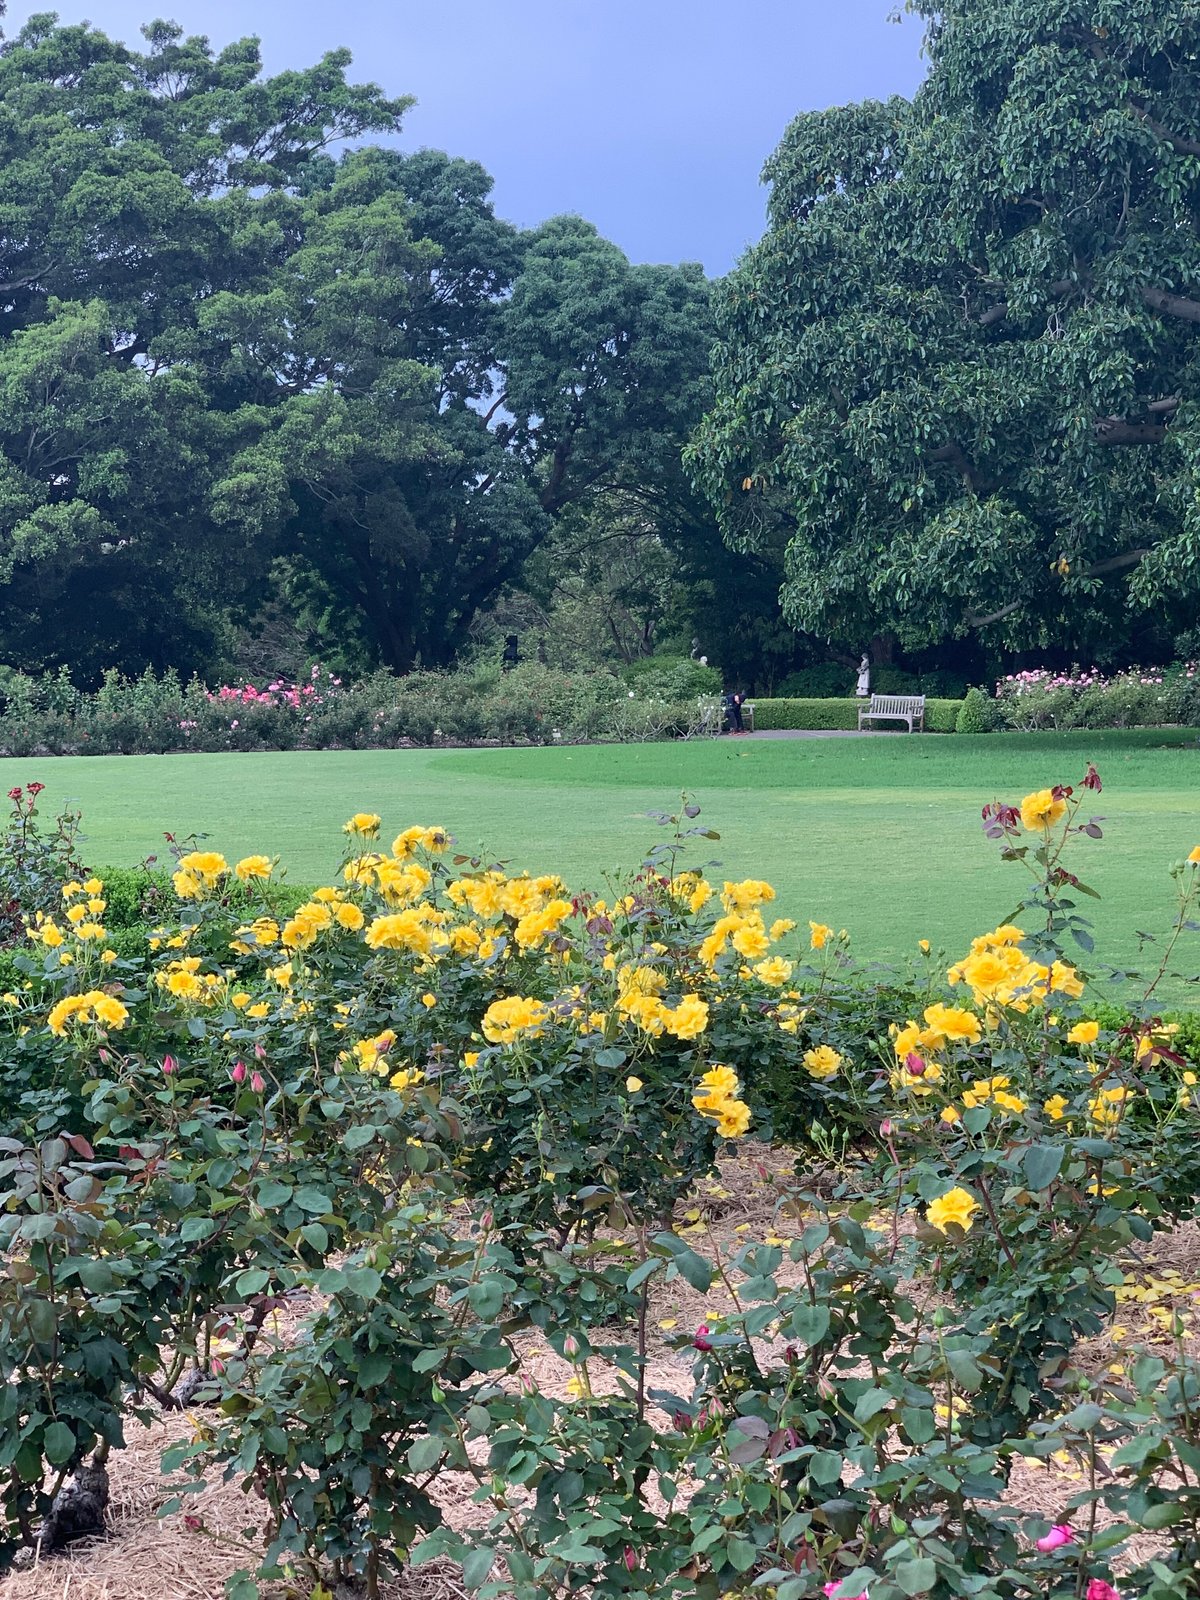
x,y
842,715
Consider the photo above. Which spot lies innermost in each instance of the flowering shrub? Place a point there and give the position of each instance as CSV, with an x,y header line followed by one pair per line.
x,y
1088,699
444,1109
532,704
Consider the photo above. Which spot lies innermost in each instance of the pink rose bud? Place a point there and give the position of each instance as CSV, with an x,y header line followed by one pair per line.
x,y
258,1083
486,1219
631,1559
1059,1535
915,1064
104,1056
1097,1589
527,1384
218,1365
701,1340
571,1347
260,1052
238,1072
887,1127
193,1523
169,1065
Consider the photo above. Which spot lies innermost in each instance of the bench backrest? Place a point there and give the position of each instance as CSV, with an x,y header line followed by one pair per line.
x,y
898,705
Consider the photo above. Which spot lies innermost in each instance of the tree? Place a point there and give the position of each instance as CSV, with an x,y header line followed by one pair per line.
x,y
242,357
958,378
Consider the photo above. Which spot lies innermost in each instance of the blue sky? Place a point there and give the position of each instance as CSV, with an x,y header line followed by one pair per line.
x,y
650,117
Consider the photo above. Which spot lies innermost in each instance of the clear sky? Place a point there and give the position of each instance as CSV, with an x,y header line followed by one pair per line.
x,y
652,118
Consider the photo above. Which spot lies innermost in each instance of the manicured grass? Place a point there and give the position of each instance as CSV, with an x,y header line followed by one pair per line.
x,y
880,835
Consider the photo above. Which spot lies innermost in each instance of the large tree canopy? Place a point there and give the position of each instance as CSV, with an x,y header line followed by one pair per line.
x,y
238,347
959,378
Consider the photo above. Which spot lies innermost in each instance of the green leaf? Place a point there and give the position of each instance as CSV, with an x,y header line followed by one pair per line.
x,y
195,1229
917,1576
313,1200
424,1454
486,1297
809,1324
476,1566
316,1234
364,1281
1041,1164
694,1269
870,1403
59,1443
360,1135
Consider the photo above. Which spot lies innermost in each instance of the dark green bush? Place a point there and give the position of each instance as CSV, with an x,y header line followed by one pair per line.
x,y
977,714
829,680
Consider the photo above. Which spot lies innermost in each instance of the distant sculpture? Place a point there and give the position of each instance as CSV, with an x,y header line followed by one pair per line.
x,y
864,676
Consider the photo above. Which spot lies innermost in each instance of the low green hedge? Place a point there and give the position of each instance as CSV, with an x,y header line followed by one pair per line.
x,y
842,715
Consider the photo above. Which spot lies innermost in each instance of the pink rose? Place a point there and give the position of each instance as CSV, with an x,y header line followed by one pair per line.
x,y
1059,1535
701,1340
1097,1589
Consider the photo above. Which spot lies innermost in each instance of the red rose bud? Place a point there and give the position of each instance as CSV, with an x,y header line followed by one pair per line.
x,y
791,1355
238,1072
169,1065
258,1083
631,1559
192,1522
260,1052
701,1340
218,1365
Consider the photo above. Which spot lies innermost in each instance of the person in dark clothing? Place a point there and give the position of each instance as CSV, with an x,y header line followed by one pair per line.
x,y
733,711
511,655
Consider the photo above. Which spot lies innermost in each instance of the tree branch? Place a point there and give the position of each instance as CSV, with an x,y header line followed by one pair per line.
x,y
1116,431
1114,563
974,621
997,313
1174,305
1177,141
955,456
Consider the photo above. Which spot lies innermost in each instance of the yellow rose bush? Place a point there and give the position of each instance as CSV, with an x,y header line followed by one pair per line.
x,y
449,1103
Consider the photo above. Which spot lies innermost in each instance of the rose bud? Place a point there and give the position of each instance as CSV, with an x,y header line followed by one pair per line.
x,y
169,1065
1059,1535
915,1064
631,1560
260,1051
258,1083
238,1072
700,1340
571,1347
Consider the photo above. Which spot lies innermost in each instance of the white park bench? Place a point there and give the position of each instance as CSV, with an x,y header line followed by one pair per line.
x,y
908,708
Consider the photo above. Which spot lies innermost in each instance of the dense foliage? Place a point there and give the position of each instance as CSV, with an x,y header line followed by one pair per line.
x,y
956,381
250,362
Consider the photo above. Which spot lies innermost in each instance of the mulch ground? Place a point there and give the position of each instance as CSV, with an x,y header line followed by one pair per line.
x,y
149,1556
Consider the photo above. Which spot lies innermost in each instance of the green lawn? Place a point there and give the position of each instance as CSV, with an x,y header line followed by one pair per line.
x,y
880,835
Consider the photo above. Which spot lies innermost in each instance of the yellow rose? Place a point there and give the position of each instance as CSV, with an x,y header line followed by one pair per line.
x,y
819,935
1055,1108
1194,858
956,1207
1084,1033
1041,810
634,1086
365,823
253,867
822,1062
